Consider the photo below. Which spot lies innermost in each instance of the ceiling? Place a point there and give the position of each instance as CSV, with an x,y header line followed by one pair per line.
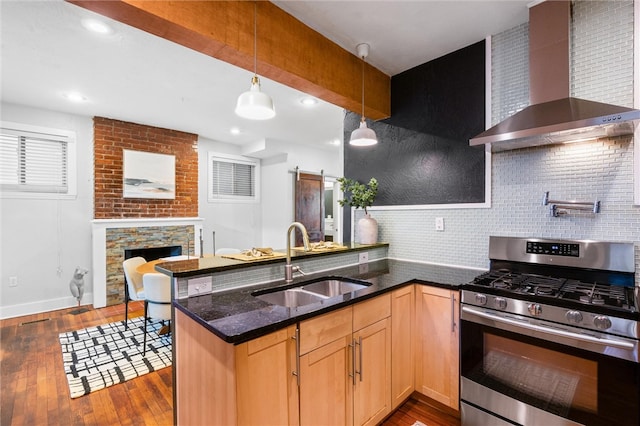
x,y
133,76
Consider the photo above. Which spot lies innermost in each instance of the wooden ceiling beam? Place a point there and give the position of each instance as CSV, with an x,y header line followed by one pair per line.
x,y
288,51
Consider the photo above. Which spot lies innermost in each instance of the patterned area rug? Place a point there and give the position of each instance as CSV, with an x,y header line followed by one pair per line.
x,y
98,357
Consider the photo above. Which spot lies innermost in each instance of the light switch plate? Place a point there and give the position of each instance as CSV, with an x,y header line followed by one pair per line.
x,y
199,285
363,257
439,224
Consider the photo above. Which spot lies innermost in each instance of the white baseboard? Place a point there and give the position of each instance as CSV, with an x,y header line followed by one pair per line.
x,y
43,306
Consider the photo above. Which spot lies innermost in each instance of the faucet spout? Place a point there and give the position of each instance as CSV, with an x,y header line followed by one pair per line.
x,y
288,268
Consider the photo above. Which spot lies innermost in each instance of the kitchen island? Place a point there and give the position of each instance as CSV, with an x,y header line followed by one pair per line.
x,y
240,360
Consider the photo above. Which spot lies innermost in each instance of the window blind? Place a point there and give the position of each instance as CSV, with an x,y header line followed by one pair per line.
x,y
33,163
233,178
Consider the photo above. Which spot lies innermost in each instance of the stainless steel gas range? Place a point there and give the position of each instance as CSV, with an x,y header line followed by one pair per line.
x,y
549,335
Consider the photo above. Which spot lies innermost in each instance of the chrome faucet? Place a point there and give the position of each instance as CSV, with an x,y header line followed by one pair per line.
x,y
289,269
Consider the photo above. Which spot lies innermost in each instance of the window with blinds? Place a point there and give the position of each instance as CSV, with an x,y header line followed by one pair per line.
x,y
233,178
36,160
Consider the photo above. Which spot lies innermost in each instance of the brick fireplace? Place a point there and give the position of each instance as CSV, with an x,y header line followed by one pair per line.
x,y
133,223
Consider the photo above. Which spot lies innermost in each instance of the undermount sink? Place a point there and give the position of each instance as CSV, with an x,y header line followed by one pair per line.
x,y
334,287
310,291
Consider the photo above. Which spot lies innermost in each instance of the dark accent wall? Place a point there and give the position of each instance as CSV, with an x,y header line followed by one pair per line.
x,y
423,154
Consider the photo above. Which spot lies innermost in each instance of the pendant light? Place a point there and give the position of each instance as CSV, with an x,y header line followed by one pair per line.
x,y
363,136
254,104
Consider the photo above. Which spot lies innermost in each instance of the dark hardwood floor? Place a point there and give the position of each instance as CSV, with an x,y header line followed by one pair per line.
x,y
34,391
428,413
34,386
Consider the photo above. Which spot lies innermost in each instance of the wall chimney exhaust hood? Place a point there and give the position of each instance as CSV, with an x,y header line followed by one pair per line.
x,y
553,117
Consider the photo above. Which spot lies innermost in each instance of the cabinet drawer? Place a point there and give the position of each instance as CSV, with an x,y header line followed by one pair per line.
x,y
435,291
319,331
261,343
371,311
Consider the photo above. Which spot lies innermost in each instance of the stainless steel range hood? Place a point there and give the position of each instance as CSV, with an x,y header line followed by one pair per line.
x,y
559,121
554,117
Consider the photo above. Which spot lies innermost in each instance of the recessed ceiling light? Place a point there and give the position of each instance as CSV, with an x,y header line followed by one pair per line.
x,y
335,142
234,131
308,101
96,26
75,97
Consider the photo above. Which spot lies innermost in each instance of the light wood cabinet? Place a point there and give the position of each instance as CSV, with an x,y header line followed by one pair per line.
x,y
437,350
372,385
221,384
402,344
264,369
326,391
345,368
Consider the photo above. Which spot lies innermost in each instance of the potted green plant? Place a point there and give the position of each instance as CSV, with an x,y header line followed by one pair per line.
x,y
360,196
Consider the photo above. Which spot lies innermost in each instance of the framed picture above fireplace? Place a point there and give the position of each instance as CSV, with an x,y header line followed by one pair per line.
x,y
148,175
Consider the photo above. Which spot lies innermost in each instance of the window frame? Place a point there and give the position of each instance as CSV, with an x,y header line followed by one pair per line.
x,y
67,136
235,159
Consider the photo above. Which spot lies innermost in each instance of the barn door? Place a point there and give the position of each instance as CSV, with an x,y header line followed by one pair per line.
x,y
309,205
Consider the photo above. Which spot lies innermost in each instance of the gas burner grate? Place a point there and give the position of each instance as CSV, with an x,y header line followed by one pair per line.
x,y
598,294
549,287
501,279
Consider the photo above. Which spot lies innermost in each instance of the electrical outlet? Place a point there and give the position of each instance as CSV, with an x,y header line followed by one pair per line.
x,y
439,224
13,281
200,285
363,257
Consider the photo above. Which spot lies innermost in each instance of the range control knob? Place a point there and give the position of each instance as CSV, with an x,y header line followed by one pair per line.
x,y
601,322
500,302
481,299
534,309
574,317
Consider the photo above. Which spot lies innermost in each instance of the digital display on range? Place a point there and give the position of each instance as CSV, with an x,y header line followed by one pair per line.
x,y
556,249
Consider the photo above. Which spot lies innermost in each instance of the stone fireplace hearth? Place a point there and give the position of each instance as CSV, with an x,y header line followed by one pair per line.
x,y
112,236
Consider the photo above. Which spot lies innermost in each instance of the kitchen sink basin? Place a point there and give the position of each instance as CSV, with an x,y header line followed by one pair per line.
x,y
290,298
334,287
310,291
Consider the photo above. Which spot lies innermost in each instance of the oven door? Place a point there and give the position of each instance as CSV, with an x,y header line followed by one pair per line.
x,y
517,371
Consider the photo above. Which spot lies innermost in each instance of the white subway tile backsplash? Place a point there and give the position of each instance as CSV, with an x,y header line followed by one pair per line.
x,y
602,70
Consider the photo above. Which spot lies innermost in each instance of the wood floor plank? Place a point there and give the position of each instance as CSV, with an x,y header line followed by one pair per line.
x,y
35,388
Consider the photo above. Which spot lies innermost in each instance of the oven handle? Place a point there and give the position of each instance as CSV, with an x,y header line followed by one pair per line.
x,y
552,331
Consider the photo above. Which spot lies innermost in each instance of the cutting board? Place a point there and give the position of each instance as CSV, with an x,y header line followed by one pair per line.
x,y
251,258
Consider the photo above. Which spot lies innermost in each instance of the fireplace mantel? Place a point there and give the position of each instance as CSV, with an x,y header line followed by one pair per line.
x,y
99,245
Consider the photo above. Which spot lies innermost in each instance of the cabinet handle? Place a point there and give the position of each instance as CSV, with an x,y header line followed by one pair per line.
x,y
296,373
453,316
352,374
359,343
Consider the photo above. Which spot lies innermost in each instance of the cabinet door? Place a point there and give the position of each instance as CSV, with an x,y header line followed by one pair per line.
x,y
402,344
326,388
372,390
267,390
437,363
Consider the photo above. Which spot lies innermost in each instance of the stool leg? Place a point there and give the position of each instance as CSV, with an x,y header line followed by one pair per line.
x,y
144,346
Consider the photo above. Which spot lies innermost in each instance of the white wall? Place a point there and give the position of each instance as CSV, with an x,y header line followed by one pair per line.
x,y
236,225
245,225
43,241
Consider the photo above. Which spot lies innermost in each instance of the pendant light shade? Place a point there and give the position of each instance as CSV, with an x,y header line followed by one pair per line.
x,y
363,136
255,104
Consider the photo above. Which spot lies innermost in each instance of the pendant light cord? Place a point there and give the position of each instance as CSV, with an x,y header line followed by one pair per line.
x,y
362,119
255,38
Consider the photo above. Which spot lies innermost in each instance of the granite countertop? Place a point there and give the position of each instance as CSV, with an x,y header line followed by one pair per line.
x,y
236,316
210,263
